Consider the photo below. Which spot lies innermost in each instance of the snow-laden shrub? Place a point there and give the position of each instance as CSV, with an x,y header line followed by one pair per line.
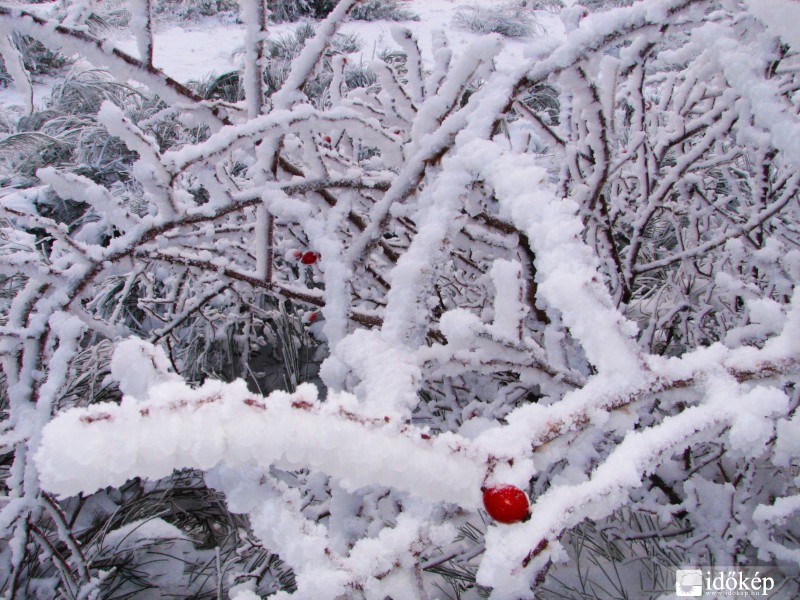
x,y
117,13
601,5
285,343
548,5
193,9
628,554
36,58
293,10
227,87
382,10
365,10
508,20
282,50
65,132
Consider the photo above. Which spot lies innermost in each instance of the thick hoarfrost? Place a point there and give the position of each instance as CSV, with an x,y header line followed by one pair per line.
x,y
167,425
284,343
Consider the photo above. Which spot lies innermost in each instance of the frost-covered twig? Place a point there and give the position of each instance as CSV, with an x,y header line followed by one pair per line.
x,y
273,430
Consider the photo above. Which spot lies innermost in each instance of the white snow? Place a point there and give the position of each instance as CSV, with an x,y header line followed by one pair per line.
x,y
178,427
440,378
194,52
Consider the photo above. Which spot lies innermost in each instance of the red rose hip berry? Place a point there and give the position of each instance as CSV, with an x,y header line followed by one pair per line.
x,y
506,503
309,258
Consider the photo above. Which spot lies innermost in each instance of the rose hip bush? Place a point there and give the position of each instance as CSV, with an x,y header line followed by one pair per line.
x,y
574,275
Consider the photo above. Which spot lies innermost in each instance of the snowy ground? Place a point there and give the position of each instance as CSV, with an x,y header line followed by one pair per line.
x,y
193,51
186,52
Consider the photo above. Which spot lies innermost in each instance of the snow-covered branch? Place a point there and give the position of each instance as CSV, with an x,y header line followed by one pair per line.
x,y
180,427
373,292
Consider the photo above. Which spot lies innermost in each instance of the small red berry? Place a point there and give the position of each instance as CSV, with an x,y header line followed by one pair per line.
x,y
312,318
327,139
309,258
506,503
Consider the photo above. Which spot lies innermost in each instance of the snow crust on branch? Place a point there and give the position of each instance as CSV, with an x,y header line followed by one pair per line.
x,y
567,269
180,427
142,27
253,14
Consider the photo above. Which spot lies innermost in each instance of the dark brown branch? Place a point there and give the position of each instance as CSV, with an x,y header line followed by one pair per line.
x,y
520,106
71,541
169,328
532,287
581,419
310,298
331,200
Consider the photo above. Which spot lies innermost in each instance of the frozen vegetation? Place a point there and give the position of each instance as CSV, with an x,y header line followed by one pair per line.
x,y
274,331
